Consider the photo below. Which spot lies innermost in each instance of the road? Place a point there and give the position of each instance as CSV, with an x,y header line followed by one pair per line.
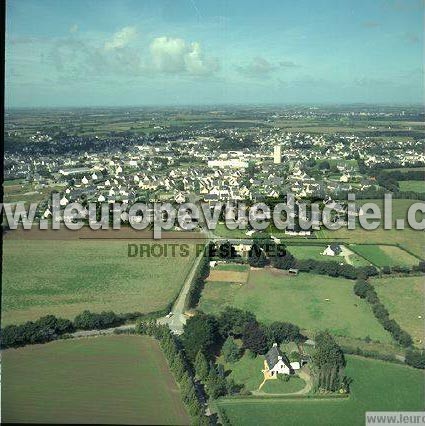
x,y
177,320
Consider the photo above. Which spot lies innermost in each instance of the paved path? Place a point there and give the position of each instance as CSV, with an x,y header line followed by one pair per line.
x,y
305,390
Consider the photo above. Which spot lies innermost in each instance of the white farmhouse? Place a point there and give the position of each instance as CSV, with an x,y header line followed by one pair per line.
x,y
277,362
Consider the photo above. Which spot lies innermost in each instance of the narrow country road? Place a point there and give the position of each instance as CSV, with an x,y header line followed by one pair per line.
x,y
177,320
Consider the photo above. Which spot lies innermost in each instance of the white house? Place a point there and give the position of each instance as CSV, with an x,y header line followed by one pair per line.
x,y
277,362
332,250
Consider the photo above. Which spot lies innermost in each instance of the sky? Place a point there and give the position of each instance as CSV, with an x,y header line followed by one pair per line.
x,y
202,52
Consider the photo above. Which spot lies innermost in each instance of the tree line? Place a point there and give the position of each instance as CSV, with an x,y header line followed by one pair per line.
x,y
365,290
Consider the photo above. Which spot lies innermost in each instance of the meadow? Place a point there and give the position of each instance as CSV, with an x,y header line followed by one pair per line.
x,y
376,386
113,380
65,277
273,296
383,255
412,185
404,298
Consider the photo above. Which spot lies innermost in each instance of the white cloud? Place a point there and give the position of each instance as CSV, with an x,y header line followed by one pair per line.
x,y
73,29
121,38
257,67
174,55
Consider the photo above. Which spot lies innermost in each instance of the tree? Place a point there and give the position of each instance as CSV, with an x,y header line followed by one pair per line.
x,y
201,366
324,165
328,363
230,350
257,257
361,287
284,262
200,334
215,384
254,338
415,358
280,332
232,321
226,251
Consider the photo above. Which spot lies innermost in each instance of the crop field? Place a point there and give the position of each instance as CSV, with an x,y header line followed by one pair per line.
x,y
376,386
228,276
404,298
381,255
273,296
408,238
110,379
412,185
65,277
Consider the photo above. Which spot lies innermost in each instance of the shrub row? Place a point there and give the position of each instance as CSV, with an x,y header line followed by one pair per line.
x,y
370,354
415,358
181,368
365,290
331,268
198,283
43,330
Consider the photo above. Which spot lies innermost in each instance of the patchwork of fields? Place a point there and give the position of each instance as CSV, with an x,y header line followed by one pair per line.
x,y
114,380
383,255
274,296
410,239
65,277
404,298
376,386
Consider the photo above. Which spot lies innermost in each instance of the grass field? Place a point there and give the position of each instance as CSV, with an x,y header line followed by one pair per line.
x,y
381,255
404,298
408,238
300,299
377,386
113,379
64,277
246,371
412,185
231,267
294,384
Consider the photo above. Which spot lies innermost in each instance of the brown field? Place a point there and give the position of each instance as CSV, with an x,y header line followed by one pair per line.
x,y
228,276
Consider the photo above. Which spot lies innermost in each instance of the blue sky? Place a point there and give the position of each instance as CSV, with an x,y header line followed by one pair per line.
x,y
180,52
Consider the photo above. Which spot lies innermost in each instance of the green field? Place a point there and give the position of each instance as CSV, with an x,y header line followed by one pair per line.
x,y
274,296
232,267
377,386
412,185
294,384
381,255
65,277
404,298
113,379
408,238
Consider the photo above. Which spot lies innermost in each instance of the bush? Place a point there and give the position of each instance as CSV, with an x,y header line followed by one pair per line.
x,y
361,288
92,321
415,359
